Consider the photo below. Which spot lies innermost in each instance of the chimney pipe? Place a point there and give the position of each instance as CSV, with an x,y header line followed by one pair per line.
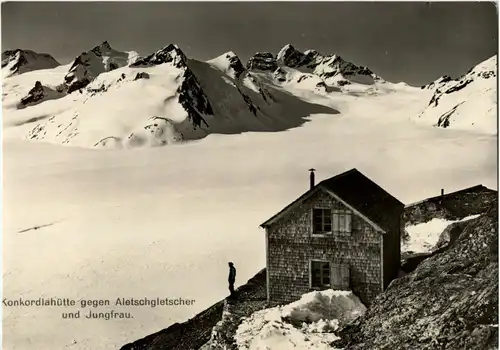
x,y
311,177
442,192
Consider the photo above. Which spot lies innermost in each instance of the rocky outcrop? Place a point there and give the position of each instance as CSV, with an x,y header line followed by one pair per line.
x,y
38,94
262,61
141,75
280,75
442,80
87,66
223,334
21,61
449,302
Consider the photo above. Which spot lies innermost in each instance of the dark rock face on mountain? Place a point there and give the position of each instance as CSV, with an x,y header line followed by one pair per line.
x,y
87,66
194,100
443,79
39,94
449,302
262,61
235,64
22,61
291,57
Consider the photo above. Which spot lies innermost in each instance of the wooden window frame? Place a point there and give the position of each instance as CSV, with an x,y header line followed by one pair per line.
x,y
322,233
311,286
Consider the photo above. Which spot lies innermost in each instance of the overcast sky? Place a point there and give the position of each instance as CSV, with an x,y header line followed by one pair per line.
x,y
412,42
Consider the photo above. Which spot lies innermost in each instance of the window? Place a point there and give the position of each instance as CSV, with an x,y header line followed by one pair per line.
x,y
322,221
342,221
320,274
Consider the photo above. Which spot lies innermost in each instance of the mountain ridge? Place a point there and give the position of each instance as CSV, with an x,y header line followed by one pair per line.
x,y
197,101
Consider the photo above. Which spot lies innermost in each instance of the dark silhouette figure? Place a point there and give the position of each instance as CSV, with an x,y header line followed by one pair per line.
x,y
232,278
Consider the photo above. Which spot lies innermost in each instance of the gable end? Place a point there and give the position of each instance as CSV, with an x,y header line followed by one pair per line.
x,y
307,195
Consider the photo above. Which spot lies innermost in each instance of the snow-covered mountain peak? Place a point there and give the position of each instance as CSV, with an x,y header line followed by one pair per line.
x,y
332,69
169,54
21,61
337,71
485,69
88,65
466,102
228,63
291,57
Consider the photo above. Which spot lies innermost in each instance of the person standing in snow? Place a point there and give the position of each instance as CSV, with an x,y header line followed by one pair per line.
x,y
231,278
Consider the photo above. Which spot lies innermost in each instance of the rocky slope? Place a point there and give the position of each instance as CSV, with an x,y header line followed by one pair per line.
x,y
15,62
449,302
466,102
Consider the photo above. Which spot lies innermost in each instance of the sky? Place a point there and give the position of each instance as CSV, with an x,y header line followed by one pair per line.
x,y
415,42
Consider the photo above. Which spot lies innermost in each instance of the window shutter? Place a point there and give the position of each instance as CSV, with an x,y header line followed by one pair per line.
x,y
341,277
348,222
326,278
345,276
336,277
336,222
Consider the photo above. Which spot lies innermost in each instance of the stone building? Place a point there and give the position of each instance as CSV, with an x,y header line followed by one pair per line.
x,y
343,233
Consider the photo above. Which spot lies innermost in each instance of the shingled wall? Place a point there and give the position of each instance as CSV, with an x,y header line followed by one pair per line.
x,y
291,246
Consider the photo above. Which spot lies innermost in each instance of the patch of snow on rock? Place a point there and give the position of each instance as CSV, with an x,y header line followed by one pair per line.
x,y
424,236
